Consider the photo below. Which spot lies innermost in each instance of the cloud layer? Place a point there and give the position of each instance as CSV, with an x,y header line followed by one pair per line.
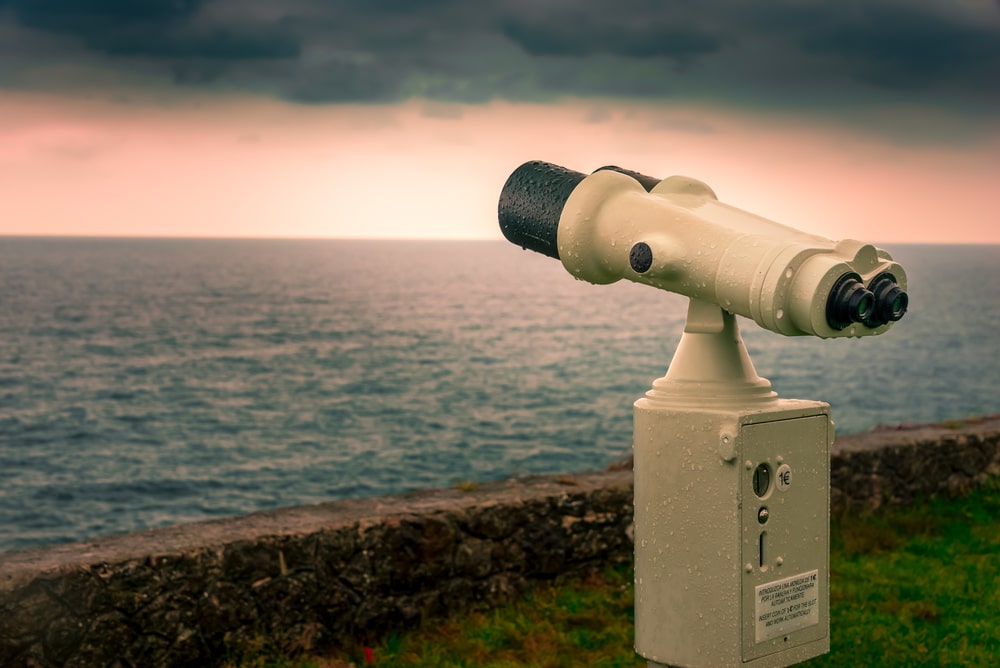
x,y
811,53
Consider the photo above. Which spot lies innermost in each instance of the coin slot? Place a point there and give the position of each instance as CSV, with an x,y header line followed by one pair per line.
x,y
761,480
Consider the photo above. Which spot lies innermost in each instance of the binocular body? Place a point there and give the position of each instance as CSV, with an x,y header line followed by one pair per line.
x,y
674,234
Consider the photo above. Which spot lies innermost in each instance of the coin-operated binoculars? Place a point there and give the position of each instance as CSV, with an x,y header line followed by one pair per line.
x,y
732,483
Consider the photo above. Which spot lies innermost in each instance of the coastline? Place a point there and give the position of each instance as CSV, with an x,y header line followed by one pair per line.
x,y
346,571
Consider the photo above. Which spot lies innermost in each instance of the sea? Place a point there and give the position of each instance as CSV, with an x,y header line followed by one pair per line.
x,y
147,382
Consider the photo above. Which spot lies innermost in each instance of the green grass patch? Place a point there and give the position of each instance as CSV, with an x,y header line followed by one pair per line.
x,y
917,586
910,586
588,621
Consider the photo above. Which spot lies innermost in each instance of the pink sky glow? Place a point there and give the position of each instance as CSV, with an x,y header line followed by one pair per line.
x,y
225,166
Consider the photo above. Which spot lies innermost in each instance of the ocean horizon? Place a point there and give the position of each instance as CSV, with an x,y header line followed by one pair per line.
x,y
151,381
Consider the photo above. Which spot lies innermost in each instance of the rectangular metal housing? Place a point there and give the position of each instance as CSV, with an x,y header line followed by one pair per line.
x,y
709,590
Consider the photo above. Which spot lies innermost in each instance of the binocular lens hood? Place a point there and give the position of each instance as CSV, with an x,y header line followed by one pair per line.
x,y
531,204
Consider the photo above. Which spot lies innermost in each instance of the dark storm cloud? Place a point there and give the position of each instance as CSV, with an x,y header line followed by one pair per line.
x,y
54,13
893,45
156,28
584,35
820,52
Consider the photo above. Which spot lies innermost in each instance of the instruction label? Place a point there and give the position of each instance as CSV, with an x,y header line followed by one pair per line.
x,y
786,605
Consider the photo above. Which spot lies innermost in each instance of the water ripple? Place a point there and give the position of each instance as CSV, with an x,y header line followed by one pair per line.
x,y
147,382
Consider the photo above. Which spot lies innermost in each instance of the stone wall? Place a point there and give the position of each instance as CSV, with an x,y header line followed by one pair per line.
x,y
894,465
343,573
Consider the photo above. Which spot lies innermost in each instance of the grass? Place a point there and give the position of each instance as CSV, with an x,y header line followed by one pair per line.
x,y
909,586
588,621
918,586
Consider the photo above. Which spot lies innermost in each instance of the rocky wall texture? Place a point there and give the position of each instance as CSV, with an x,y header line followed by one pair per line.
x,y
346,572
302,577
895,465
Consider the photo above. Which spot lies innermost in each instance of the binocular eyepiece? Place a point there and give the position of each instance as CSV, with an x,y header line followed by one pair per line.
x,y
850,301
674,234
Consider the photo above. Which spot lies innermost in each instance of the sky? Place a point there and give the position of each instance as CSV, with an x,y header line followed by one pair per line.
x,y
877,119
